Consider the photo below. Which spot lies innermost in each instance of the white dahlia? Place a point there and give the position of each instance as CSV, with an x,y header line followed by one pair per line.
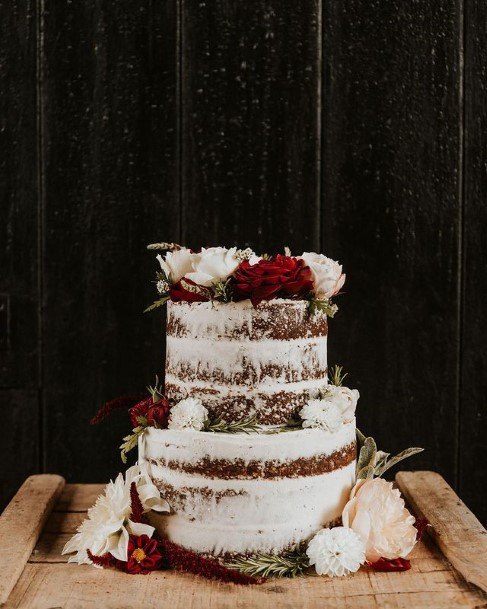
x,y
188,414
108,525
338,551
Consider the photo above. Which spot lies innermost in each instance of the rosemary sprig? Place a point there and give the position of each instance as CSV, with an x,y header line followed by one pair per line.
x,y
246,425
337,376
157,303
291,564
223,290
291,425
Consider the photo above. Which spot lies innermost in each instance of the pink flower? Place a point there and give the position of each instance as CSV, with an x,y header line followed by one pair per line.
x,y
376,512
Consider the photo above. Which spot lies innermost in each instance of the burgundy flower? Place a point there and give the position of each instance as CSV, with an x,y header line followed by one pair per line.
x,y
140,410
144,555
279,277
158,414
188,291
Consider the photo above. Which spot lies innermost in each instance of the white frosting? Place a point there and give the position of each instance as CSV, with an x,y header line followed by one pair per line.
x,y
224,358
217,319
268,515
193,446
247,515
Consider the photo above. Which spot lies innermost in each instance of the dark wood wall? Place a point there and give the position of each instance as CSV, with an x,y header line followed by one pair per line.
x,y
352,127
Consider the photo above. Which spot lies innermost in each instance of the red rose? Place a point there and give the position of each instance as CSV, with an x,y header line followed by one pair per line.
x,y
143,555
279,277
188,291
158,414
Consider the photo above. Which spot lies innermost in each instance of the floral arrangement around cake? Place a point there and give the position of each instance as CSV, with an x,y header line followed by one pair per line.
x,y
376,530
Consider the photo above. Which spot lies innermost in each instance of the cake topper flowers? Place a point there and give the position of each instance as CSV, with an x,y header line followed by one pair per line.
x,y
226,275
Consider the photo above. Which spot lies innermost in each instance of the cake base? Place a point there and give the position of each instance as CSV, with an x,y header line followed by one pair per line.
x,y
240,494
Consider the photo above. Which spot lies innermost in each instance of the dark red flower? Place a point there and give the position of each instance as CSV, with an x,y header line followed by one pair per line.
x,y
279,277
158,414
140,410
144,555
188,291
393,564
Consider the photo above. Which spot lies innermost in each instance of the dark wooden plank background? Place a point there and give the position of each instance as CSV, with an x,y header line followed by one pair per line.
x,y
356,128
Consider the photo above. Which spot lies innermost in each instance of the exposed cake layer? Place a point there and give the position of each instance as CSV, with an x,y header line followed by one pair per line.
x,y
243,360
247,493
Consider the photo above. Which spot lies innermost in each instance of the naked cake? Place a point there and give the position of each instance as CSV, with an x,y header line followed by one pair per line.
x,y
249,461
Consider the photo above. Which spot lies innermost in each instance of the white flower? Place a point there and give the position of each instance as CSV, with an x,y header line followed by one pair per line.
x,y
328,278
162,287
321,414
246,254
177,264
376,512
338,551
345,399
213,264
188,414
108,525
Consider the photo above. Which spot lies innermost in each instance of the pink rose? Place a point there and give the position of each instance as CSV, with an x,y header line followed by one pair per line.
x,y
376,512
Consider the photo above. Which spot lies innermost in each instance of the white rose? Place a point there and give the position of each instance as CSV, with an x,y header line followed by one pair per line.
x,y
213,264
177,264
376,512
188,414
345,399
328,278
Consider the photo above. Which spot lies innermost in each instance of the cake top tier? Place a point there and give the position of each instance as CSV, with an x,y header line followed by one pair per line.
x,y
233,275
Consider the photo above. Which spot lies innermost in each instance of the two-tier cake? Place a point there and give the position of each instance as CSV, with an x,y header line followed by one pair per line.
x,y
249,463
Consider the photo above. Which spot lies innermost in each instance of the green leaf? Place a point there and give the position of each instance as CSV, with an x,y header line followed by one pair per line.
x,y
360,438
130,442
380,460
367,455
223,290
366,473
290,564
157,303
404,454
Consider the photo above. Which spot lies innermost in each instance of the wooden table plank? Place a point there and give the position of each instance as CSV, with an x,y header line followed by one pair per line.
x,y
48,581
21,524
459,535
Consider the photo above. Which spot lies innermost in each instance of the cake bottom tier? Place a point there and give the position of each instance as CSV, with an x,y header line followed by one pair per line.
x,y
239,494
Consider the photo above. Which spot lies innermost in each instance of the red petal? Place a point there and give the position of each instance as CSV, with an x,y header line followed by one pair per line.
x,y
395,564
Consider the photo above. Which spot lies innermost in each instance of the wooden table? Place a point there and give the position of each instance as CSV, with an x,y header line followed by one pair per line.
x,y
45,513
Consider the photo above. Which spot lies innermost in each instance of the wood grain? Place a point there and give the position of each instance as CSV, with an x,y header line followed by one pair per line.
x,y
458,533
110,159
251,124
48,581
21,524
473,413
391,188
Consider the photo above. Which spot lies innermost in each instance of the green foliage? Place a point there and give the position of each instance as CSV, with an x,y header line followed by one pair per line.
x,y
246,425
157,303
337,376
324,306
223,290
372,462
131,441
290,564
